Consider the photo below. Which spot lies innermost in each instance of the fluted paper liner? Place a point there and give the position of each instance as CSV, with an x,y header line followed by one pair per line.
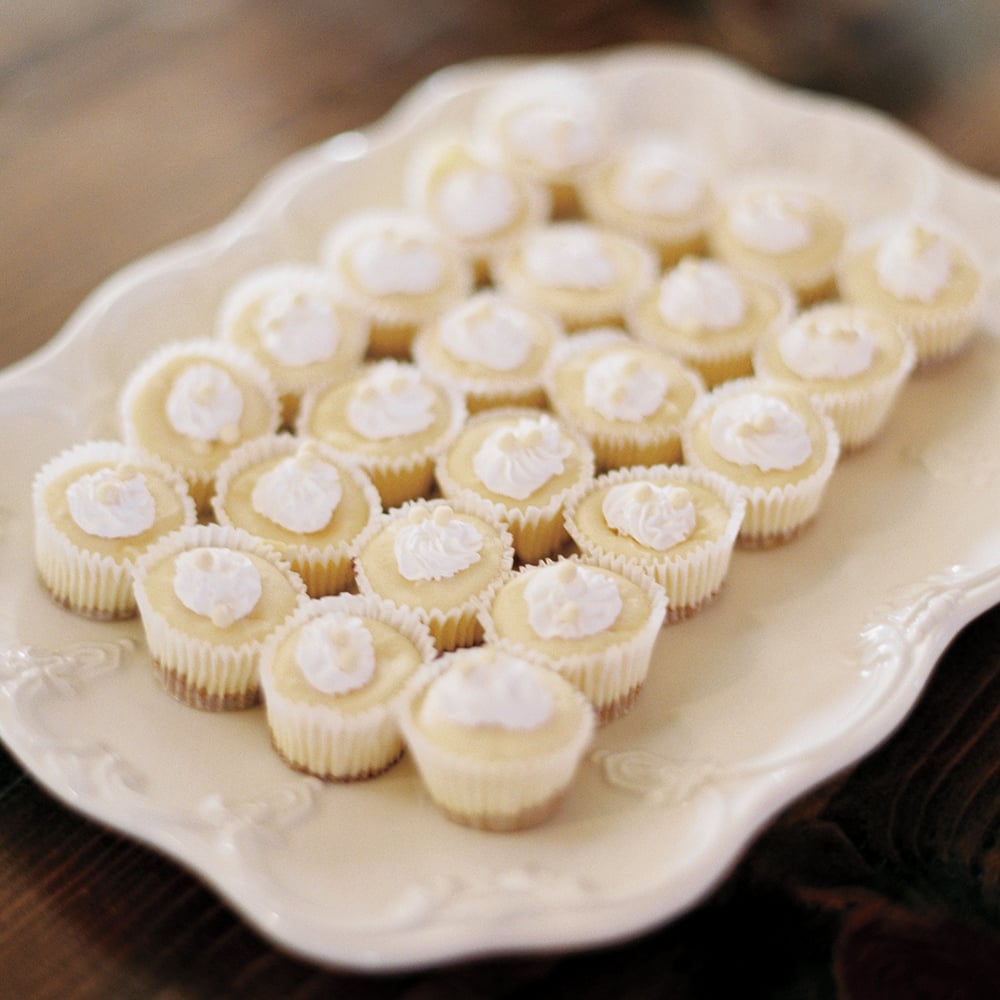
x,y
538,531
325,569
320,739
201,482
452,627
87,582
611,677
498,795
690,579
774,514
207,675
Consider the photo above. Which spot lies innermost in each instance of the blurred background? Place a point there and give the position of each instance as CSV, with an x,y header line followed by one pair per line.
x,y
127,124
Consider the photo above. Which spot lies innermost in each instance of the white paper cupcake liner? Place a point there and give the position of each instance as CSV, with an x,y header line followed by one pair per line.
x,y
87,582
690,579
325,569
610,678
458,625
538,531
204,674
319,739
773,514
499,795
201,481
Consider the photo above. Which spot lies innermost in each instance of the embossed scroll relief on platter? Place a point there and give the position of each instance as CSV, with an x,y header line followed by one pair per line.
x,y
832,607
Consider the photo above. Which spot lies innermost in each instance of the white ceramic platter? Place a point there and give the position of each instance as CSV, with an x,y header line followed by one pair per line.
x,y
812,655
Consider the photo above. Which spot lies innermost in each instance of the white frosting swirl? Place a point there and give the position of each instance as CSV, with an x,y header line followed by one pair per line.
x,y
300,493
436,546
391,401
557,134
757,429
569,256
620,387
217,583
826,347
773,221
499,690
336,653
475,202
111,503
914,263
568,600
516,461
206,404
297,327
397,263
701,295
493,334
658,517
654,178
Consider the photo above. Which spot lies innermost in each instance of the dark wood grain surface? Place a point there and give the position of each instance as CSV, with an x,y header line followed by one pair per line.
x,y
126,124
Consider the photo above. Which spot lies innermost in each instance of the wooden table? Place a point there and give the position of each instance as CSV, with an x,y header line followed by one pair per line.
x,y
126,124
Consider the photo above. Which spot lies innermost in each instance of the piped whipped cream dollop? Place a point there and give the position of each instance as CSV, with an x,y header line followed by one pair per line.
x,y
654,177
757,429
397,263
658,517
392,400
701,295
493,690
217,583
568,600
496,335
914,263
827,347
436,545
300,493
112,503
620,387
569,256
773,221
557,129
516,461
475,202
336,653
297,327
206,404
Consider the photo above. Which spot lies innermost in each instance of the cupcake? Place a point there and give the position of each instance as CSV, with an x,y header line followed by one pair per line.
x,y
496,739
586,275
710,316
435,559
291,320
391,419
675,523
478,203
657,188
629,400
774,444
924,277
549,124
522,467
491,348
783,230
192,402
97,507
304,498
209,596
594,625
853,361
397,271
331,677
